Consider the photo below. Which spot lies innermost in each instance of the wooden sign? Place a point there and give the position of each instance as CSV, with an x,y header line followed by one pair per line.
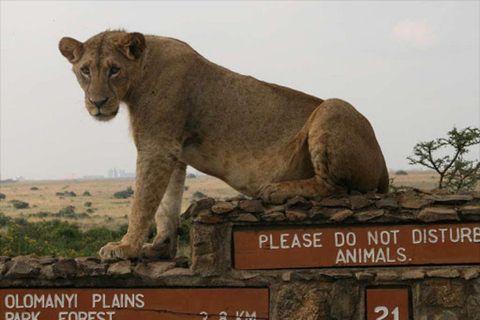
x,y
310,247
127,304
388,304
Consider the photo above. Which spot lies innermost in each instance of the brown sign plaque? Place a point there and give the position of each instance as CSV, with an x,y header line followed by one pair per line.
x,y
388,304
310,247
127,304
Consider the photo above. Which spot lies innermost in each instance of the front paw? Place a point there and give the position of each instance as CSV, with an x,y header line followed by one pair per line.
x,y
118,250
164,248
274,194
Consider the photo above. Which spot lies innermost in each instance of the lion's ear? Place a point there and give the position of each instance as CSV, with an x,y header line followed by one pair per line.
x,y
132,45
71,49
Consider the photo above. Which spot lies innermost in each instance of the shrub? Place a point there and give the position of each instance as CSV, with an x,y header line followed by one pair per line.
x,y
191,176
87,204
2,196
184,232
86,194
199,195
125,194
456,173
69,194
59,194
3,219
56,238
33,188
17,204
401,173
67,212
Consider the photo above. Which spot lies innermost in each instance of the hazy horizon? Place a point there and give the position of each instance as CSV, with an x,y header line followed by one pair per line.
x,y
412,68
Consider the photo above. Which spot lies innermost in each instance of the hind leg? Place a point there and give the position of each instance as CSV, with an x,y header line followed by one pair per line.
x,y
319,185
318,136
167,218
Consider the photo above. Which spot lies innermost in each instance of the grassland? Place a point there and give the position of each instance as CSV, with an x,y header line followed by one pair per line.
x,y
107,210
111,212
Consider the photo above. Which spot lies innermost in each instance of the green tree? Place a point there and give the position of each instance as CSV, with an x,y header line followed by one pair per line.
x,y
456,173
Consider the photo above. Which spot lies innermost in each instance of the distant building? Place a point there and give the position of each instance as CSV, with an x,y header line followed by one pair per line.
x,y
115,173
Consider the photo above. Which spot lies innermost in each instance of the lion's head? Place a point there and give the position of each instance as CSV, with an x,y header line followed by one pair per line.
x,y
106,65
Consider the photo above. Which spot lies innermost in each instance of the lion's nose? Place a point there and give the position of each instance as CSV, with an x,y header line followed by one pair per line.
x,y
99,103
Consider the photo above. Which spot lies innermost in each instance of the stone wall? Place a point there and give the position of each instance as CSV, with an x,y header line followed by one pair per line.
x,y
441,292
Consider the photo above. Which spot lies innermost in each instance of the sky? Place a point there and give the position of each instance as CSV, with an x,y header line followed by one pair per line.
x,y
412,68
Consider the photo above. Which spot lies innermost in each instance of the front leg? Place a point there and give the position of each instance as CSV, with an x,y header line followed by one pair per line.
x,y
153,174
167,218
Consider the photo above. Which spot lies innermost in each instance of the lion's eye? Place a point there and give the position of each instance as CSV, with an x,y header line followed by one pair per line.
x,y
85,71
114,70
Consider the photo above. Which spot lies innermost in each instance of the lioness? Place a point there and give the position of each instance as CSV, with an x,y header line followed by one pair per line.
x,y
262,139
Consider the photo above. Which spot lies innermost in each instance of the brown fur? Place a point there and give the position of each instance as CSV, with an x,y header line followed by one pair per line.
x,y
262,139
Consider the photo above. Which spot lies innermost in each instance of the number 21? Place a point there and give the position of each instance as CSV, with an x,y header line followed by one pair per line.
x,y
384,311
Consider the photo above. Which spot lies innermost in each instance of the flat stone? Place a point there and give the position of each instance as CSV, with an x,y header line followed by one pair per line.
x,y
3,267
90,267
275,209
363,275
451,199
335,202
437,213
413,275
245,274
20,270
153,269
470,274
319,214
402,215
47,260
387,203
359,202
369,215
252,206
443,293
195,208
295,216
245,217
298,204
47,272
31,260
120,268
206,216
273,217
177,272
470,210
339,274
341,215
5,259
65,268
445,315
387,276
443,273
221,207
413,203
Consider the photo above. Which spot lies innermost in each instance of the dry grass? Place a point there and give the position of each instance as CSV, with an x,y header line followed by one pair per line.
x,y
111,212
